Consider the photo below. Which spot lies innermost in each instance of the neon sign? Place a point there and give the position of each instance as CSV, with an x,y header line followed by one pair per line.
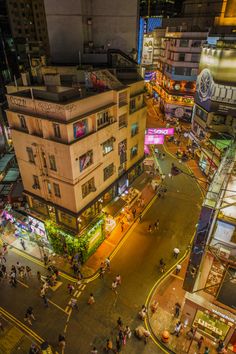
x,y
160,131
154,139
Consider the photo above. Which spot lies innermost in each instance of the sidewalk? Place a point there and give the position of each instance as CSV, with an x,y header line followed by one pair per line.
x,y
168,292
105,249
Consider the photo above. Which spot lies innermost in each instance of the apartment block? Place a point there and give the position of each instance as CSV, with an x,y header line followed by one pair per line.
x,y
78,148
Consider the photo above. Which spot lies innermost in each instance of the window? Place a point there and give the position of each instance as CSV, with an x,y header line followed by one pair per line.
x,y
88,187
183,43
30,153
57,190
108,146
86,160
134,129
122,148
57,132
49,188
22,121
132,105
122,98
195,58
80,128
181,56
52,162
134,151
123,121
179,71
36,184
103,119
108,171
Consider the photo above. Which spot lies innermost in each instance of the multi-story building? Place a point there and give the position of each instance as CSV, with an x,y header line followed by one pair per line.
x,y
213,121
177,69
83,30
164,8
210,299
29,28
77,149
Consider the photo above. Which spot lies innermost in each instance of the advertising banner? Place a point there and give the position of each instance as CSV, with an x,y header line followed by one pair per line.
x,y
154,140
80,129
147,55
160,131
198,248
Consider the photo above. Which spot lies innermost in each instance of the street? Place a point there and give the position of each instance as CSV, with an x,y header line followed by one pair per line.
x,y
136,260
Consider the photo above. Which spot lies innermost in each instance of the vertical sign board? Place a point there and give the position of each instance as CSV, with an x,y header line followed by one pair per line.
x,y
198,248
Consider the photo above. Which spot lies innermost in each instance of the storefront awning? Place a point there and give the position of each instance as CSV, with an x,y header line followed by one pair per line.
x,y
114,207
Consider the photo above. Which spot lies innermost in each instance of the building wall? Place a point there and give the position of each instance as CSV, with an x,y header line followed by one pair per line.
x,y
71,26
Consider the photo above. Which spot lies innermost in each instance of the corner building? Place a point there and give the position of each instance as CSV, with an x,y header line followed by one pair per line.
x,y
76,151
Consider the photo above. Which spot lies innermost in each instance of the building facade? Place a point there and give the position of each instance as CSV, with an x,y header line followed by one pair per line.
x,y
76,151
177,69
213,121
83,30
164,8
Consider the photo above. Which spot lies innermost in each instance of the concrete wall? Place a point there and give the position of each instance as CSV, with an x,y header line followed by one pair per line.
x,y
112,23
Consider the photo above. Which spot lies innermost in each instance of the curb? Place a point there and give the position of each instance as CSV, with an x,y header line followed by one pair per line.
x,y
154,337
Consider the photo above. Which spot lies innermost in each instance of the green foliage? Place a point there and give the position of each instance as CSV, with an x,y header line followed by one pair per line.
x,y
61,240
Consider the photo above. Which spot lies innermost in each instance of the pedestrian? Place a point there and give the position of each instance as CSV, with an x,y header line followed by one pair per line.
x,y
73,303
150,228
140,217
143,312
45,300
45,259
27,319
13,281
18,266
176,252
156,225
118,344
91,299
108,263
128,332
134,212
122,225
177,309
62,342
109,346
70,288
207,350
22,242
178,328
162,265
94,351
101,272
114,287
28,271
119,323
190,333
220,347
4,270
29,311
39,276
178,269
199,342
154,306
22,272
2,258
163,156
118,279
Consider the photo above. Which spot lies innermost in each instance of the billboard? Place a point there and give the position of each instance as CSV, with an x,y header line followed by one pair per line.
x,y
154,139
198,248
160,131
80,128
149,76
147,55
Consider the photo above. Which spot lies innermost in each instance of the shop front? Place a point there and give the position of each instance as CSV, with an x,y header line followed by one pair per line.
x,y
209,320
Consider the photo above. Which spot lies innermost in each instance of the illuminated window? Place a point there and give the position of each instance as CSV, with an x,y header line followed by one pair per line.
x,y
134,129
108,146
134,151
86,160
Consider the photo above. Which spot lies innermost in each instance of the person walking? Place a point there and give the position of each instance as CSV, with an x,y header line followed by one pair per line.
x,y
22,242
156,225
91,299
45,299
28,271
177,309
150,228
134,212
114,287
62,342
118,279
70,288
128,332
176,252
29,311
108,264
122,225
177,330
94,351
45,259
143,312
119,323
162,265
109,346
39,276
207,350
140,217
178,269
73,303
199,342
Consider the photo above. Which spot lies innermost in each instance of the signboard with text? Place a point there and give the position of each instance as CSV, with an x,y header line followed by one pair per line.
x,y
160,131
154,139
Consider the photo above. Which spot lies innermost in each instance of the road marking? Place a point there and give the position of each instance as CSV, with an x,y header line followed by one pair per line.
x,y
83,286
79,294
36,261
60,308
75,293
23,284
67,309
21,325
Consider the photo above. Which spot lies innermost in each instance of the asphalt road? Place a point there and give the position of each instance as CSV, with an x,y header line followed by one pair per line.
x,y
136,261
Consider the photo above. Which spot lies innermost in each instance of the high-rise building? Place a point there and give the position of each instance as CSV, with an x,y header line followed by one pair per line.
x,y
29,28
77,149
83,30
164,8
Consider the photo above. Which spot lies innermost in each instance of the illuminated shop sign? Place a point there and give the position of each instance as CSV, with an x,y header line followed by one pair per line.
x,y
147,55
154,139
160,131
